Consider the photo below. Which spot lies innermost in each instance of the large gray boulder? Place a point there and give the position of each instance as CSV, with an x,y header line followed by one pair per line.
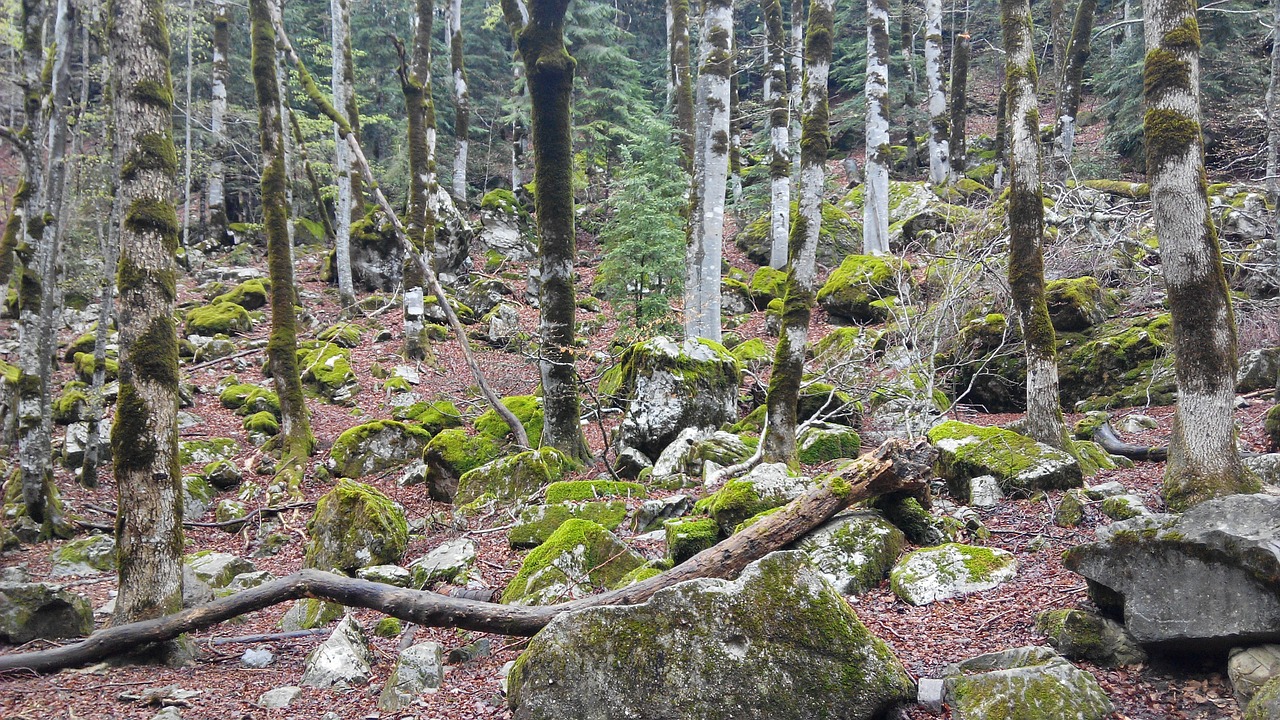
x,y
668,386
1020,464
1027,683
85,556
1083,635
951,570
1207,579
355,526
419,669
343,660
854,551
37,610
777,643
579,557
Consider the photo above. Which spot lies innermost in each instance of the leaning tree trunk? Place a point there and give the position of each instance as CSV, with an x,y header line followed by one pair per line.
x,y
340,11
415,83
295,439
959,109
144,437
703,254
894,467
939,136
801,288
1026,228
219,72
549,68
907,30
776,98
682,80
1077,55
1203,462
461,103
875,205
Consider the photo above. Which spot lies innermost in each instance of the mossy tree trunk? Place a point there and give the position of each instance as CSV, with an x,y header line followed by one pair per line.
x,y
461,102
796,51
144,438
415,83
219,72
1273,150
549,68
777,99
1026,227
1058,45
801,288
346,178
1203,462
907,34
1077,54
875,205
704,252
682,80
939,134
1002,125
295,440
959,106
519,131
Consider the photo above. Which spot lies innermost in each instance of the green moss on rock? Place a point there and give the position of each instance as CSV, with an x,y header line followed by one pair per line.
x,y
218,318
537,523
1018,463
354,526
514,477
583,490
860,281
687,537
376,446
526,408
250,294
579,557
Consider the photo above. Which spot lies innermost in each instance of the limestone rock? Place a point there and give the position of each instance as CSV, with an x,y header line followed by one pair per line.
x,y
447,562
653,513
1204,580
1027,683
257,658
514,477
1266,704
687,537
1251,668
503,324
777,643
376,446
86,556
822,442
310,613
419,669
578,557
536,523
386,574
279,697
29,611
1266,467
854,551
1082,635
217,568
946,571
853,291
343,660
1018,463
767,486
1077,304
355,526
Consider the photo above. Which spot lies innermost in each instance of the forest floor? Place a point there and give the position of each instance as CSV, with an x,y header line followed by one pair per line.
x,y
924,638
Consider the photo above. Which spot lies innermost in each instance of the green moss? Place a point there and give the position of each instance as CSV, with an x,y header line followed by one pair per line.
x,y
1168,135
838,236
250,294
514,477
218,318
325,366
1019,463
858,282
70,406
526,408
639,575
346,335
264,423
581,490
459,452
823,445
432,416
388,627
203,452
246,399
85,365
554,566
376,446
767,284
687,537
536,524
1119,188
502,201
362,527
1271,423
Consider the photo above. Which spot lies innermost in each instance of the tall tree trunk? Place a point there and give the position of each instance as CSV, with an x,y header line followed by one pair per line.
x,y
144,437
1002,126
777,99
875,205
788,360
186,130
682,78
1058,46
1077,54
92,446
322,208
218,74
907,31
295,439
549,68
1273,148
710,166
519,133
735,141
1026,228
461,102
796,52
959,110
415,83
939,135
1203,462
346,177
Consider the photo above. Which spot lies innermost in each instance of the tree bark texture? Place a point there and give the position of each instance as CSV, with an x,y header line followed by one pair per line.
x,y
92,446
796,52
682,80
549,68
1077,54
415,84
801,287
875,205
939,135
295,439
735,141
1203,462
343,97
710,167
144,437
894,467
907,31
1026,227
959,107
219,72
461,102
776,98
1273,150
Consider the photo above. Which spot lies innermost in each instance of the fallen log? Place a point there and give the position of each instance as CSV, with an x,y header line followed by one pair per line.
x,y
1105,435
895,466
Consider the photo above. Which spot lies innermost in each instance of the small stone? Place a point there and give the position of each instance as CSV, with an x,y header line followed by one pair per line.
x,y
1070,510
652,513
984,491
1138,423
280,697
474,651
386,574
447,562
931,574
1102,491
1124,507
343,660
419,670
169,713
929,693
257,658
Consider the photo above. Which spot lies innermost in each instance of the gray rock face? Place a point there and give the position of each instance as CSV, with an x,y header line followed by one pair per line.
x,y
36,610
279,697
257,658
1207,579
343,660
766,486
420,669
1266,467
670,386
86,556
1082,635
652,513
504,324
1258,370
503,233
1266,704
946,571
854,551
447,562
218,569
1028,683
777,643
1252,668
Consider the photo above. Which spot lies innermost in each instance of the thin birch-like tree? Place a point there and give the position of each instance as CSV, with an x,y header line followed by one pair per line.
x,y
777,99
461,102
939,134
875,204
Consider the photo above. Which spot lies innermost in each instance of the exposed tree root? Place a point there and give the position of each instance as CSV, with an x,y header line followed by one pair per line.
x,y
1105,435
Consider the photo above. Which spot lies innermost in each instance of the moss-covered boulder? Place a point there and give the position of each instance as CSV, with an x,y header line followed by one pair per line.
x,y
845,352
451,454
776,643
752,353
513,477
203,452
355,526
578,558
343,334
310,613
946,571
376,446
1121,359
217,569
1027,683
526,408
1017,462
668,386
1266,704
326,368
85,364
860,281
841,234
39,611
586,490
85,556
689,536
451,561
854,551
247,399
432,416
537,523
916,212
224,318
250,294
262,424
72,406
1271,423
823,442
767,486
1077,304
1084,635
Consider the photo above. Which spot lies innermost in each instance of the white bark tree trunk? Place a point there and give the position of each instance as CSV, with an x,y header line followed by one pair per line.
x,y
461,101
777,98
939,134
710,174
340,12
875,207
796,51
218,74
